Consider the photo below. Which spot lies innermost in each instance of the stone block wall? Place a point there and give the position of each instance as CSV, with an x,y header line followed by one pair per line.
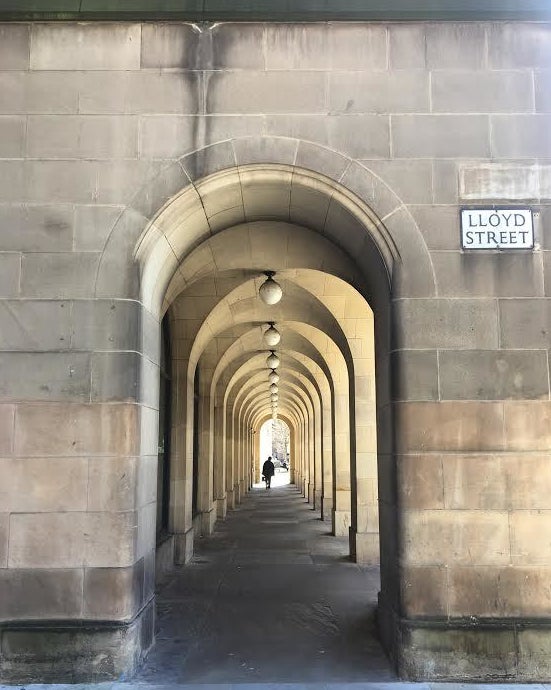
x,y
93,118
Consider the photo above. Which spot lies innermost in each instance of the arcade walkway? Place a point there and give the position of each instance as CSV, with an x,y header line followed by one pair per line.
x,y
270,597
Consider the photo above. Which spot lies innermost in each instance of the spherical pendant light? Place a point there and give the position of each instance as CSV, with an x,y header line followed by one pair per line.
x,y
272,336
274,397
273,377
272,361
270,292
274,388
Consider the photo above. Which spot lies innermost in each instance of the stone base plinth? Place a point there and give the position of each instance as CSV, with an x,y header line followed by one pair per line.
x,y
75,652
183,547
164,557
230,499
364,547
208,519
221,508
326,507
340,522
500,650
318,499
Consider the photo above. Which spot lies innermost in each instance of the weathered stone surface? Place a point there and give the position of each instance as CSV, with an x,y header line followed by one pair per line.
x,y
59,181
71,540
439,225
527,425
455,45
521,136
542,79
424,591
439,537
59,276
171,136
14,46
410,180
449,426
534,648
440,136
406,46
146,487
7,415
89,137
546,256
145,537
481,92
525,323
12,135
402,91
269,92
498,375
4,534
458,654
139,92
106,325
420,481
415,375
446,323
529,546
29,227
12,180
55,376
80,653
445,181
40,594
475,592
315,157
336,46
43,484
232,46
499,181
93,225
113,593
10,274
39,92
338,132
115,376
76,429
85,47
35,325
506,481
112,484
168,45
518,46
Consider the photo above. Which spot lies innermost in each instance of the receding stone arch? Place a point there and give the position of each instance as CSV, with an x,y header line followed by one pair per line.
x,y
362,235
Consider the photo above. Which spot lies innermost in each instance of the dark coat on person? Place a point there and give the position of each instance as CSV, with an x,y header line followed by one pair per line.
x,y
268,469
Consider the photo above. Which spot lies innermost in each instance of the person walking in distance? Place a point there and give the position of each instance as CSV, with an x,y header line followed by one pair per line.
x,y
268,471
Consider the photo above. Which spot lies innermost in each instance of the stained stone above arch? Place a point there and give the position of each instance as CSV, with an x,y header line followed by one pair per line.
x,y
236,181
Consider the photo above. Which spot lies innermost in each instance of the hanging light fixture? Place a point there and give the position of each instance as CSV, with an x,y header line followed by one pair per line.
x,y
275,397
272,361
273,377
272,336
274,388
270,292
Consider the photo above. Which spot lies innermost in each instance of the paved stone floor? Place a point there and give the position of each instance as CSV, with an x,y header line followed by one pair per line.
x,y
270,597
270,602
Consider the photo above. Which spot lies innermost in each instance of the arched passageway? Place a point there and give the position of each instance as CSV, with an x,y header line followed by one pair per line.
x,y
204,259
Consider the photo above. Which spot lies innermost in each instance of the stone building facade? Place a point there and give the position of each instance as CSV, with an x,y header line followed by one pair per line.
x,y
150,173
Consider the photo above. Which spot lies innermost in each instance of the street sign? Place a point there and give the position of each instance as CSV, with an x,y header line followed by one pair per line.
x,y
497,228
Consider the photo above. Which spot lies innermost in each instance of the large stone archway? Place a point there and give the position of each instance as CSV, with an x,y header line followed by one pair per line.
x,y
202,260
